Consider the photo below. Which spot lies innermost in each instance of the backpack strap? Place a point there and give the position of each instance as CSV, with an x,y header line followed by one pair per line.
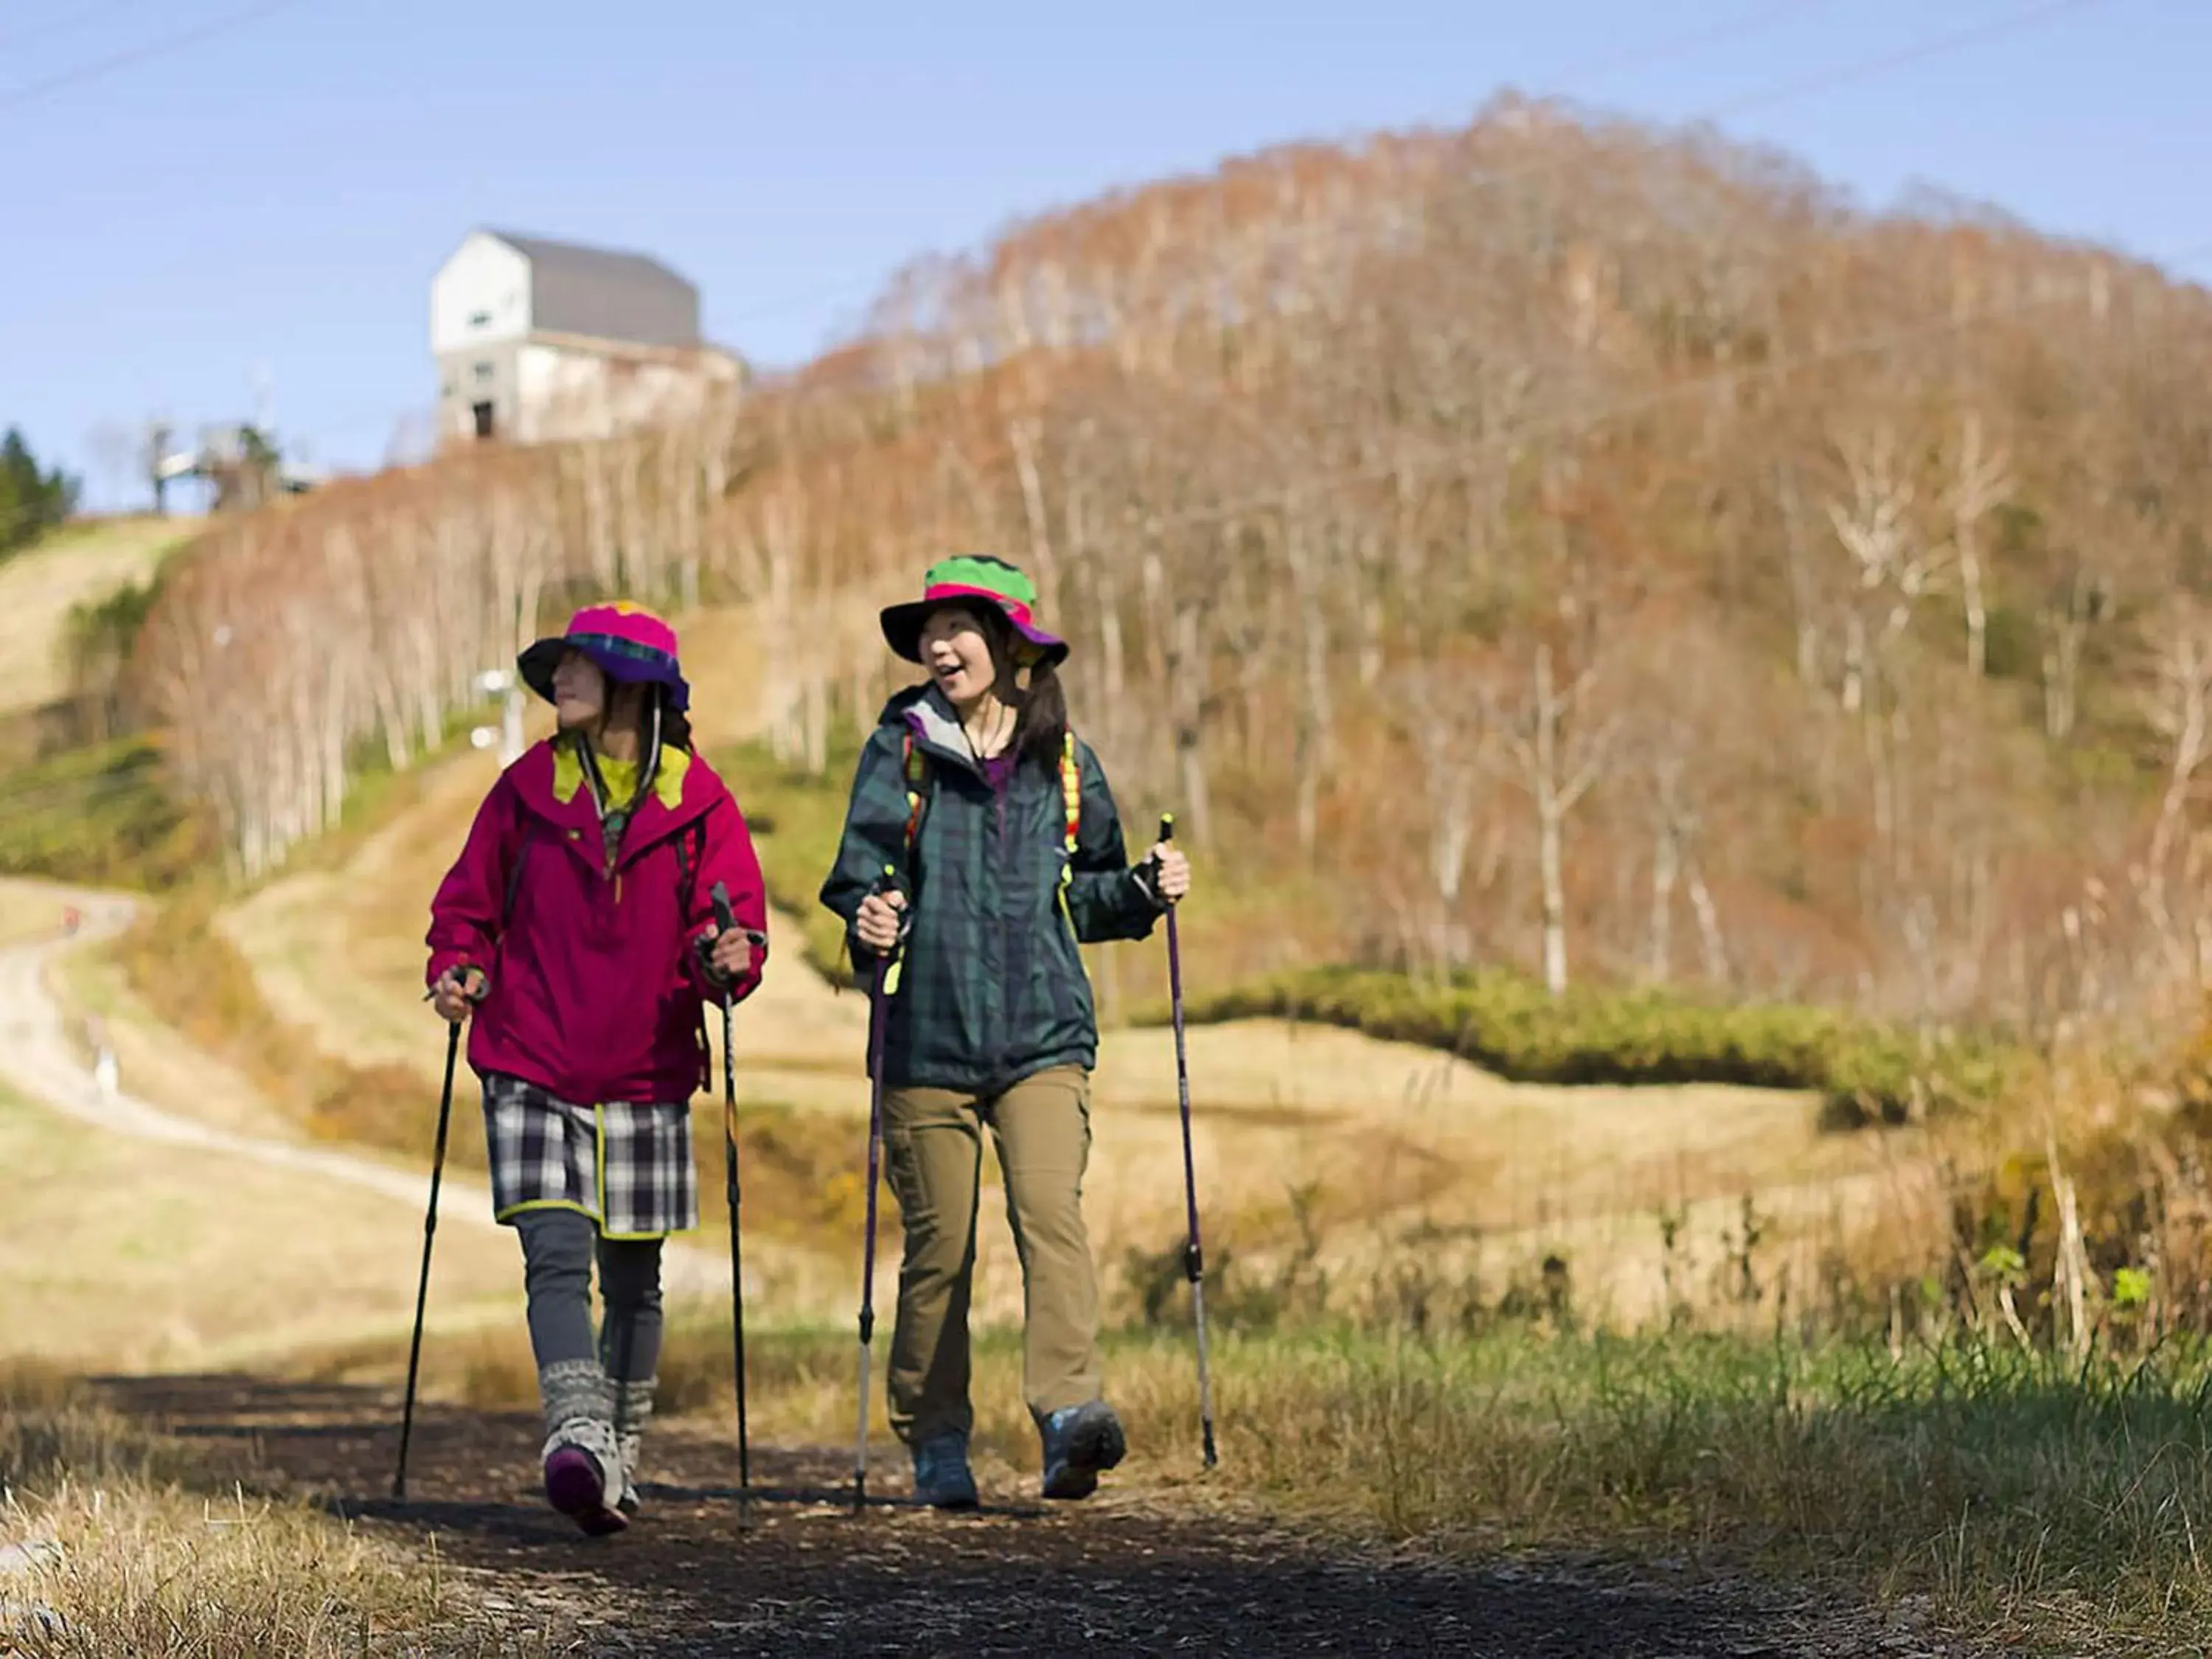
x,y
1071,790
915,764
1071,794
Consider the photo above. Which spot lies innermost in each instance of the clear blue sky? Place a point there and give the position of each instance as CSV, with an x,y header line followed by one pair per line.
x,y
273,197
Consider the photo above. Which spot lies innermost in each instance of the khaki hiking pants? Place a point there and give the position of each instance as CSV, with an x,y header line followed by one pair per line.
x,y
1040,1128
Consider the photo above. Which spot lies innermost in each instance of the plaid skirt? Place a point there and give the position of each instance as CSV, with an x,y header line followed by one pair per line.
x,y
627,1166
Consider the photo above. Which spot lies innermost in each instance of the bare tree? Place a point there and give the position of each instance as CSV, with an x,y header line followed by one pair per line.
x,y
1895,568
1981,482
2178,704
1676,854
1549,746
1443,715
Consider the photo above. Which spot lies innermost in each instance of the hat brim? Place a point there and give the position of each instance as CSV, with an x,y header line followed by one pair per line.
x,y
537,662
903,625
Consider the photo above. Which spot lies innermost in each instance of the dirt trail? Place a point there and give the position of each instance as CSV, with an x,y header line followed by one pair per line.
x,y
1141,1569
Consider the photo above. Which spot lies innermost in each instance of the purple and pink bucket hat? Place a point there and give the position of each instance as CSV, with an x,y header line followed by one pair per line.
x,y
628,642
974,578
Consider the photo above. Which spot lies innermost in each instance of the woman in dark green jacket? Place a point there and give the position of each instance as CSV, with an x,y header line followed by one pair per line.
x,y
1008,851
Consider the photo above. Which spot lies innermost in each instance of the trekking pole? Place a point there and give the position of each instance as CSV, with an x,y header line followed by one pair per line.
x,y
879,1019
726,922
1193,1253
430,1232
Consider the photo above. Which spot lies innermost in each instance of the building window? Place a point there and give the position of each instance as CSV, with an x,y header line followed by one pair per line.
x,y
483,371
479,319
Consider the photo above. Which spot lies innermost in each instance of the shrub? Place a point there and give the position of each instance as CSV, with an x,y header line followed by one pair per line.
x,y
1508,1023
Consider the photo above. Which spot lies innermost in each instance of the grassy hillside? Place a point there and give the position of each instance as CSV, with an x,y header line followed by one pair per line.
x,y
82,797
82,564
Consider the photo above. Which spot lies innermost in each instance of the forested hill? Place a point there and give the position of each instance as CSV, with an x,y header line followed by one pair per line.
x,y
1539,520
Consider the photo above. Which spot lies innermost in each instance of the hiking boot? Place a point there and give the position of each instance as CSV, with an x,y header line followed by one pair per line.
x,y
582,1459
942,1478
1079,1442
578,1458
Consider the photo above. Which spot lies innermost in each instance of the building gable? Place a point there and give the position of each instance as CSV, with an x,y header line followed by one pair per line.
x,y
480,296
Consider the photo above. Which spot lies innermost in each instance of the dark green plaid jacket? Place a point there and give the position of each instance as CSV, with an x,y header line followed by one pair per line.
x,y
993,988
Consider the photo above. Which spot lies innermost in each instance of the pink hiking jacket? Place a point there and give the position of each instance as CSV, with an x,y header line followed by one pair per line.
x,y
595,992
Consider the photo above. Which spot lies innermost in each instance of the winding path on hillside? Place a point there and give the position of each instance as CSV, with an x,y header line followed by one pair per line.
x,y
37,1057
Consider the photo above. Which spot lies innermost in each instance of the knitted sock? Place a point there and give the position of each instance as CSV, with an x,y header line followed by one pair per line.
x,y
633,1411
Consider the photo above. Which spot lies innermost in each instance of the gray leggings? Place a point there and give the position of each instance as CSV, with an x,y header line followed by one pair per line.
x,y
557,1248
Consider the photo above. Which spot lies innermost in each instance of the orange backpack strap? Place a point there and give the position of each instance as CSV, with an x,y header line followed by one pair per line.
x,y
1071,790
916,765
1071,794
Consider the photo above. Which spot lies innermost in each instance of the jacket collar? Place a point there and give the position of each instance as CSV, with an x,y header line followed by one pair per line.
x,y
536,780
936,726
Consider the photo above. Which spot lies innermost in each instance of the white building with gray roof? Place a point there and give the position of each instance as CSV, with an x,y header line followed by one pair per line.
x,y
538,340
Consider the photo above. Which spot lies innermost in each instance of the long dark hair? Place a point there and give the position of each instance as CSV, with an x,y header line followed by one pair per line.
x,y
675,724
1040,722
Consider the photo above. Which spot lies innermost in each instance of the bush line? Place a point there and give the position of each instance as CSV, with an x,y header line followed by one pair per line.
x,y
1866,1071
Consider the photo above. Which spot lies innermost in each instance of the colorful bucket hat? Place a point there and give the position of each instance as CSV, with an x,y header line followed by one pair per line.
x,y
979,579
628,642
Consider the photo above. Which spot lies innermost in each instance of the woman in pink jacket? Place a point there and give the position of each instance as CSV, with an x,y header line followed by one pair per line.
x,y
577,929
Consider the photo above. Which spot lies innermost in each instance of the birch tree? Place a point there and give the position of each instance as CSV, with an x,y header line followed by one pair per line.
x,y
1981,482
1554,746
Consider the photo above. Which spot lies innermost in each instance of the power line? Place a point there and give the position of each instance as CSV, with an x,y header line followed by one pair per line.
x,y
1658,51
1975,34
1787,91
153,49
63,24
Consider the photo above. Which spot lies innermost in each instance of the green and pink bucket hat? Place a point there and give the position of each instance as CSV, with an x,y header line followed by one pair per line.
x,y
628,642
974,580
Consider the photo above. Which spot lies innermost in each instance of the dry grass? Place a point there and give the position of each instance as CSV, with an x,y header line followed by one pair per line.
x,y
153,1548
131,1256
2052,1504
38,588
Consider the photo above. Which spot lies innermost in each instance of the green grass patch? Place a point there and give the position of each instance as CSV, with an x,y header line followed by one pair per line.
x,y
1508,1023
99,815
